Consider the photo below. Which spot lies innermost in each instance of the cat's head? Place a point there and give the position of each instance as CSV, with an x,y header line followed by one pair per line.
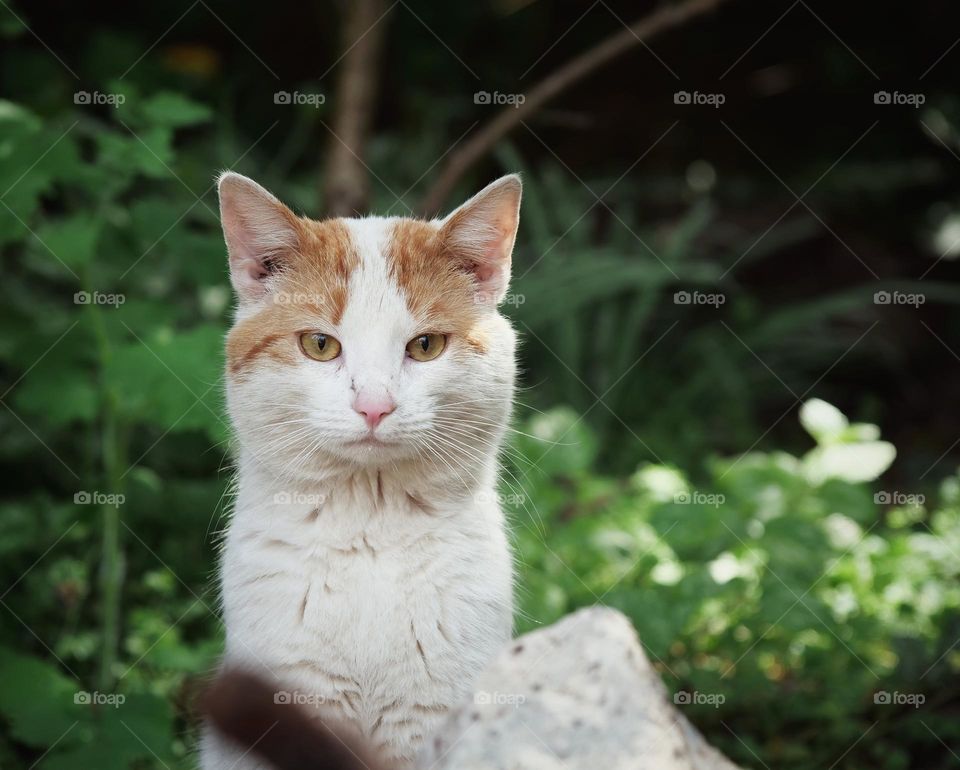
x,y
369,341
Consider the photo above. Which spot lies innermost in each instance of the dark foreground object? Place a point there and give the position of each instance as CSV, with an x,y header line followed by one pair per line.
x,y
242,707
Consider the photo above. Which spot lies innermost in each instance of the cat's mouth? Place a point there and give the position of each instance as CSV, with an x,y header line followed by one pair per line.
x,y
372,441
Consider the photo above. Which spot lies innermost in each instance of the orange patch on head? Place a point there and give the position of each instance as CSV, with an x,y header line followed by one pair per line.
x,y
310,287
327,258
438,289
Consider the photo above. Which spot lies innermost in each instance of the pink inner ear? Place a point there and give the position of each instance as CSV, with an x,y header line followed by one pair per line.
x,y
247,268
491,268
258,229
484,272
482,231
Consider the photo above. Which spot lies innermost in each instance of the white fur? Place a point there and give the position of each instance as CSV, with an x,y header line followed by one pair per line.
x,y
373,583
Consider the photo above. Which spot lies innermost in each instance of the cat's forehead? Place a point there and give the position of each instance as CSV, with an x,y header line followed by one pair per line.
x,y
379,270
374,295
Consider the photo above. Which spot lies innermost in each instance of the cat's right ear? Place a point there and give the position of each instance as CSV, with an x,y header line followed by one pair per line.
x,y
261,234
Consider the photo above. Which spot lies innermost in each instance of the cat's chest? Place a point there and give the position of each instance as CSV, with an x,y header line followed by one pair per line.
x,y
360,584
383,619
340,549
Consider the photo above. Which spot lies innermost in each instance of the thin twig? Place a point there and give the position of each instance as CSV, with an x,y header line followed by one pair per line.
x,y
471,151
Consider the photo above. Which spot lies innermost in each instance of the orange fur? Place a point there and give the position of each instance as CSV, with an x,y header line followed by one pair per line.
x,y
313,285
309,290
437,288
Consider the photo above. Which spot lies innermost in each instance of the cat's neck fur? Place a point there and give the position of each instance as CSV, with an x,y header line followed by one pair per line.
x,y
429,487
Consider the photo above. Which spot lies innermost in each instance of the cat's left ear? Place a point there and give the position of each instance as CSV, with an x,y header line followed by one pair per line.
x,y
261,234
481,234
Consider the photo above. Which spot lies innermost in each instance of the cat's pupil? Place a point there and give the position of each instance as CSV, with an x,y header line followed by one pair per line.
x,y
321,341
424,343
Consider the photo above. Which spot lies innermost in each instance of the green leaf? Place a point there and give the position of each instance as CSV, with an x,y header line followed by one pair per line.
x,y
138,729
175,110
559,442
864,461
36,699
10,27
821,420
171,379
32,158
58,395
148,152
73,239
13,113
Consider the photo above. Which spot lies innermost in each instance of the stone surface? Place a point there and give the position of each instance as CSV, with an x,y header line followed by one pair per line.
x,y
578,695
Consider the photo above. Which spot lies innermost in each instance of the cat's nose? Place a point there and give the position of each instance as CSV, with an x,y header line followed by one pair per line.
x,y
373,408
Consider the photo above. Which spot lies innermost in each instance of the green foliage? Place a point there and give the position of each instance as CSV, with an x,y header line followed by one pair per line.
x,y
113,337
595,292
113,435
780,585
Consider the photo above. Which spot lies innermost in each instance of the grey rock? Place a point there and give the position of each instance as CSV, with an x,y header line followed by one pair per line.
x,y
577,695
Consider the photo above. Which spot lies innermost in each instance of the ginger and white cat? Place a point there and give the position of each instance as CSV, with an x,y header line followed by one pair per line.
x,y
370,379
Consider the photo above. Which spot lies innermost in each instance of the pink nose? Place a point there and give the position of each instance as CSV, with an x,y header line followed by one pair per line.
x,y
373,408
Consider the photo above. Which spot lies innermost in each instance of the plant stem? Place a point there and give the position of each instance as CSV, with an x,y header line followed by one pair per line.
x,y
112,558
112,563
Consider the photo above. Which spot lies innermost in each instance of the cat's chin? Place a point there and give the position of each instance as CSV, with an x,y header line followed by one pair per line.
x,y
371,442
373,451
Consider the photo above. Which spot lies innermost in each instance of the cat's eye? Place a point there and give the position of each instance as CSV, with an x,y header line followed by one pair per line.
x,y
426,347
319,347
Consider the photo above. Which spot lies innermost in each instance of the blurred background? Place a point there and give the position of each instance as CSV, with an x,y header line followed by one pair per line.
x,y
736,281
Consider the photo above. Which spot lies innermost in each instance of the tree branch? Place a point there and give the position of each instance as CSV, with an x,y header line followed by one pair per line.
x,y
574,70
346,186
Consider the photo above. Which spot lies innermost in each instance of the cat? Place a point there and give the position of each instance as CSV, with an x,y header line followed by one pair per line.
x,y
370,380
